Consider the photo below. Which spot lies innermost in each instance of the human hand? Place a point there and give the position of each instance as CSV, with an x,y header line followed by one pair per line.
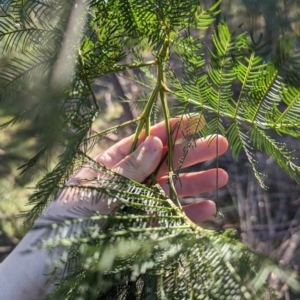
x,y
148,155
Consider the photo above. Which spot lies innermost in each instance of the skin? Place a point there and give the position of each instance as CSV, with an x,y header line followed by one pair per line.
x,y
22,276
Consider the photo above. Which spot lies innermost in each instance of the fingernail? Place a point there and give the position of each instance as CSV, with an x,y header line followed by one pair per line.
x,y
149,144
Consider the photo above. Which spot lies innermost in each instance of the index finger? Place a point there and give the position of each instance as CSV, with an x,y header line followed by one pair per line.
x,y
181,126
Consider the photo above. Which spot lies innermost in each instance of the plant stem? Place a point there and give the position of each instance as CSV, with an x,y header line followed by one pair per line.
x,y
118,68
161,79
145,115
115,127
172,191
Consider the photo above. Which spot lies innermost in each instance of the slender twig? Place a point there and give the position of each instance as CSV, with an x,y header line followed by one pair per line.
x,y
144,116
118,68
114,128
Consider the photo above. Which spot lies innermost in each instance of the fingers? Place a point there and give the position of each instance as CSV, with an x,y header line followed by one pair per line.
x,y
201,211
136,166
142,162
190,184
182,126
204,149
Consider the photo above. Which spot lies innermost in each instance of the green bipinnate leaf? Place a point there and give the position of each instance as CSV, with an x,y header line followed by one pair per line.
x,y
147,248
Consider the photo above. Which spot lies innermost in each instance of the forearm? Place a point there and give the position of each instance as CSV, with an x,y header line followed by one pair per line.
x,y
25,273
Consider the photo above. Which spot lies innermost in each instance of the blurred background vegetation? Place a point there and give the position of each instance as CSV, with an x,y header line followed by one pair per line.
x,y
268,221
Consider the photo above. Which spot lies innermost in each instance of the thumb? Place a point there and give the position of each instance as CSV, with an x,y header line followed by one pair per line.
x,y
143,161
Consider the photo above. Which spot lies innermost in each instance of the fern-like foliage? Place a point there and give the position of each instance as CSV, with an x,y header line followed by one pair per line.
x,y
151,248
147,248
